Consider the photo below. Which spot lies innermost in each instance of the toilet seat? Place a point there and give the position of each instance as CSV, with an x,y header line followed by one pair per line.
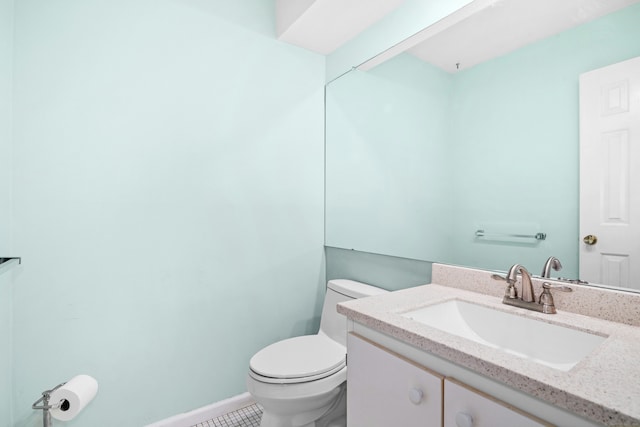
x,y
299,359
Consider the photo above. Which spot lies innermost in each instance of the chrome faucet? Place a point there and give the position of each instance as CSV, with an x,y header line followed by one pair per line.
x,y
528,299
552,262
527,287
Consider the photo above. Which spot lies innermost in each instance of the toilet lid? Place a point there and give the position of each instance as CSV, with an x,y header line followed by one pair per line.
x,y
299,357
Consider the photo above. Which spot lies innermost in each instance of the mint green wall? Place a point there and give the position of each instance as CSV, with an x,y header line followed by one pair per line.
x,y
6,344
6,88
408,19
6,294
384,147
6,409
168,200
535,150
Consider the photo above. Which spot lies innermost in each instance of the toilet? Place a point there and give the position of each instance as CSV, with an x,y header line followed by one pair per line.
x,y
301,381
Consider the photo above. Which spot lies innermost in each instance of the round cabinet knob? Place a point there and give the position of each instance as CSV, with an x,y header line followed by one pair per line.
x,y
464,420
590,239
415,396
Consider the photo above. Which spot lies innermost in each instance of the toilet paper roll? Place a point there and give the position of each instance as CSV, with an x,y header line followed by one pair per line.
x,y
73,397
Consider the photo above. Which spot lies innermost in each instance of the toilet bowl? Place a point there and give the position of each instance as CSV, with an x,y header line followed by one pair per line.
x,y
301,381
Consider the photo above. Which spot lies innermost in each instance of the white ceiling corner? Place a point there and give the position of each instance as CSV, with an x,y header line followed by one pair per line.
x,y
288,12
323,26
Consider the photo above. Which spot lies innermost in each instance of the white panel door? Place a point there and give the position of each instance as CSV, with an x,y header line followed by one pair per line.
x,y
610,175
385,389
467,407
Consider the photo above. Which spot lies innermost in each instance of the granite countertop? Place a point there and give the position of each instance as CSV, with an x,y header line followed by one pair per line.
x,y
603,387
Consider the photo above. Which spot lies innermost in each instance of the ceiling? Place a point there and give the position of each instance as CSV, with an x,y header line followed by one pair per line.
x,y
322,26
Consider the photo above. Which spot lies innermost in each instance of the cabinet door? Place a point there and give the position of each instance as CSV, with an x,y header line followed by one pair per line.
x,y
467,407
385,389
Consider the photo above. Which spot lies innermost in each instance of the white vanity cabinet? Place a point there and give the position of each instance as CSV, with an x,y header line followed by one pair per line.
x,y
385,389
467,407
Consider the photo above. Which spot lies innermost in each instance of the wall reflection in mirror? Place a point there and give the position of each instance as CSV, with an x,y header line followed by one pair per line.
x,y
478,167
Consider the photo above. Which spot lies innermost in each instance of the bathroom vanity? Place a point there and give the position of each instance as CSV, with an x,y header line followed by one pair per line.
x,y
407,370
380,379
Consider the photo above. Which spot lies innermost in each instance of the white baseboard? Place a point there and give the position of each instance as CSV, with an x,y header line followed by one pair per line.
x,y
208,412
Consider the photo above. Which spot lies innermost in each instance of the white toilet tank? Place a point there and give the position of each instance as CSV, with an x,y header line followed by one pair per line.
x,y
332,323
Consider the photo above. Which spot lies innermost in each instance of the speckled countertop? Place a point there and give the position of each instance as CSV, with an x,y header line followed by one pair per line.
x,y
604,386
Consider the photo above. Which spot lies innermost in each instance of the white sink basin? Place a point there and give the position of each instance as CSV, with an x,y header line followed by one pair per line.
x,y
552,345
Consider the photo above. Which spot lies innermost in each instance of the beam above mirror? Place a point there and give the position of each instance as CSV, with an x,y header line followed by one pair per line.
x,y
486,29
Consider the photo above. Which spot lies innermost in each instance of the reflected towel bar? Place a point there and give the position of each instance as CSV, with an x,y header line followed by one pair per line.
x,y
537,236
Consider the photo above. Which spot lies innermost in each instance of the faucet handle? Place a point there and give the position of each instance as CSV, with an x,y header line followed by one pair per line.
x,y
546,299
511,291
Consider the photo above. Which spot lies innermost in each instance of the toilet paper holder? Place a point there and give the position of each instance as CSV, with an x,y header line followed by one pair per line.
x,y
46,406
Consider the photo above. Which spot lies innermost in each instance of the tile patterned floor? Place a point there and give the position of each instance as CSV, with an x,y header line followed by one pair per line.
x,y
244,417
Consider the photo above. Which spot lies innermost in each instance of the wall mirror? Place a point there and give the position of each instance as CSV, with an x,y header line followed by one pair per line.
x,y
468,162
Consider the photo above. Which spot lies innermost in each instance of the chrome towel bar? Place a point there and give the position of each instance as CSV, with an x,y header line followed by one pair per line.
x,y
537,236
